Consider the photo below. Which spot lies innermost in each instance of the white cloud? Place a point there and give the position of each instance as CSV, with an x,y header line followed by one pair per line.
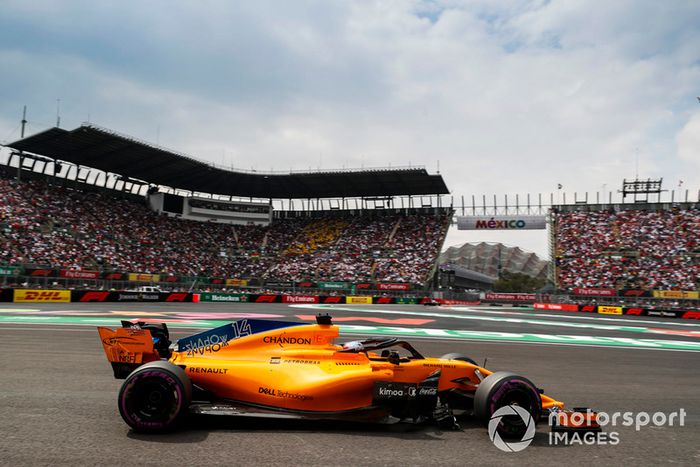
x,y
688,149
510,97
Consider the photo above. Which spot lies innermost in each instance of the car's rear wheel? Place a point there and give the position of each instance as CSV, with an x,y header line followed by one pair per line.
x,y
502,389
155,397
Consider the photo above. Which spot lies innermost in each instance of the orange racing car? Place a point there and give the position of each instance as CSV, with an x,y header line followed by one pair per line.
x,y
284,369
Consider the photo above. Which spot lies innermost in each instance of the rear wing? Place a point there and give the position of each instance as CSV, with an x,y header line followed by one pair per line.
x,y
134,344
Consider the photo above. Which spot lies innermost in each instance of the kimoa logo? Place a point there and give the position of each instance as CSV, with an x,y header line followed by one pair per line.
x,y
390,392
514,446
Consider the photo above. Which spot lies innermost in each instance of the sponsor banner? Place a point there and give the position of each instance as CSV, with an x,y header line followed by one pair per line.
x,y
123,296
8,271
664,313
634,293
287,284
40,272
134,297
363,286
609,310
406,300
91,296
333,285
237,282
299,299
447,301
176,296
595,292
635,311
223,297
518,297
217,280
691,315
556,306
333,299
265,298
114,276
34,295
679,294
306,285
134,277
358,300
501,223
383,300
70,274
393,286
173,279
395,300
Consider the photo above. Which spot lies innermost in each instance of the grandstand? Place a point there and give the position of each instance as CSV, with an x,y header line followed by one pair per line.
x,y
90,204
647,246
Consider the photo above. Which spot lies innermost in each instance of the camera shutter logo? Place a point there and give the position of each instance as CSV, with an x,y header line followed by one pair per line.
x,y
511,410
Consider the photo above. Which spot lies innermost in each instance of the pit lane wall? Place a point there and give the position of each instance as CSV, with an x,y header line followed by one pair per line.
x,y
618,310
66,296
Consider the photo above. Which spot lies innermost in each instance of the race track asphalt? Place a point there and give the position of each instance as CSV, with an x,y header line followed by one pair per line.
x,y
58,396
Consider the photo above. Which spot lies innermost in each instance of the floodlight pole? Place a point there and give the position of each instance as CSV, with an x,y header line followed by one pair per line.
x,y
21,159
24,120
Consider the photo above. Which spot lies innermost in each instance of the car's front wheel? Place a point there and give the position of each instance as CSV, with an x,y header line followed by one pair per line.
x,y
503,389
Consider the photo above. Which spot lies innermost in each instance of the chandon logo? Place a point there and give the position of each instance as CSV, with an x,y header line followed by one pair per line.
x,y
286,340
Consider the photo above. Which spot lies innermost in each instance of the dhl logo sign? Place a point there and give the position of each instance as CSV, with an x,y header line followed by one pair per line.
x,y
53,296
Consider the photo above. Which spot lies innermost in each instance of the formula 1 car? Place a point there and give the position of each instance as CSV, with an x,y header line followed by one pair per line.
x,y
294,370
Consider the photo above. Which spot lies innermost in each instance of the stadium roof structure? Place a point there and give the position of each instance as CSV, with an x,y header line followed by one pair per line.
x,y
483,257
105,150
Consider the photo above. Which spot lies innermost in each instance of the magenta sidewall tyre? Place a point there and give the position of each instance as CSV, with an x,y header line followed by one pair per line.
x,y
505,388
155,397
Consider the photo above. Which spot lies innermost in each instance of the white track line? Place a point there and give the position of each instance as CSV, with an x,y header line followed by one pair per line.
x,y
576,316
629,327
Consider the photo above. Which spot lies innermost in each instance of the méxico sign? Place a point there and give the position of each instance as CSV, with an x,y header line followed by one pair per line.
x,y
516,222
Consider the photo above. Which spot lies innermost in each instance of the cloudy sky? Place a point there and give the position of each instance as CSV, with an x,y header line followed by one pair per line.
x,y
511,97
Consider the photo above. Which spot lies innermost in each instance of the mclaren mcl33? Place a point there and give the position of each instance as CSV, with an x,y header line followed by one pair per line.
x,y
295,370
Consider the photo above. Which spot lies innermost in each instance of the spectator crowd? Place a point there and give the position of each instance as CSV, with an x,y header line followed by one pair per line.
x,y
47,225
634,249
